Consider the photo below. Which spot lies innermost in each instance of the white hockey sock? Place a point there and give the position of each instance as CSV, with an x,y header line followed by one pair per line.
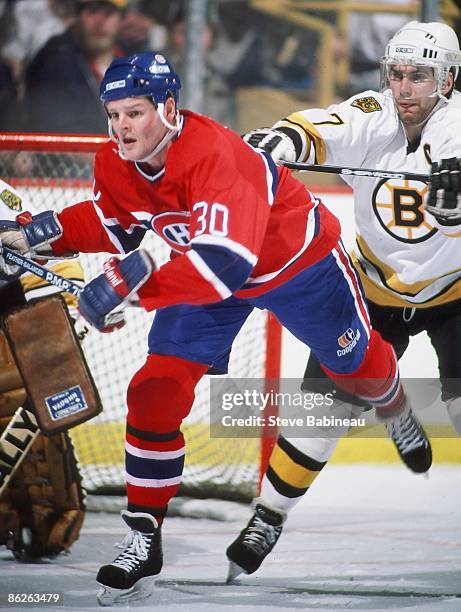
x,y
454,412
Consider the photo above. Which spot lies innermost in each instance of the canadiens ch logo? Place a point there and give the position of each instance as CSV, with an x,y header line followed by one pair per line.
x,y
12,200
173,227
399,208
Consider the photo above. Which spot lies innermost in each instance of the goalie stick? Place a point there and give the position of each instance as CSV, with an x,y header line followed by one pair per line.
x,y
346,171
28,265
66,285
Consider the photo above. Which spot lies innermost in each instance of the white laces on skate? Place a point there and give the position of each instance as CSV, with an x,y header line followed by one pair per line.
x,y
406,434
260,535
136,545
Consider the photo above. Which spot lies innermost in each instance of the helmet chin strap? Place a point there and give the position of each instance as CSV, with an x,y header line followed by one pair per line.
x,y
173,129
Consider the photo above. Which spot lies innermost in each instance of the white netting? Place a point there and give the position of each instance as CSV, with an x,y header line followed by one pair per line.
x,y
214,467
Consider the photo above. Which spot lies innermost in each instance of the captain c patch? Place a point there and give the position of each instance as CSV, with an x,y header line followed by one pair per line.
x,y
367,104
12,200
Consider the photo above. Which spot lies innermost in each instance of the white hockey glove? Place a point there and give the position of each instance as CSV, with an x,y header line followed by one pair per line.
x,y
444,201
31,235
275,142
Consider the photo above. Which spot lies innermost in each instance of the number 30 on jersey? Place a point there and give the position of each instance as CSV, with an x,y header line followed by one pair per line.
x,y
213,219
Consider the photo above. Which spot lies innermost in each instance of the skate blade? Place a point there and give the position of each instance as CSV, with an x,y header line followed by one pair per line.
x,y
234,571
108,596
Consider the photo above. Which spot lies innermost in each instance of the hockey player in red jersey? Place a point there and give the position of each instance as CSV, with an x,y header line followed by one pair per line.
x,y
244,234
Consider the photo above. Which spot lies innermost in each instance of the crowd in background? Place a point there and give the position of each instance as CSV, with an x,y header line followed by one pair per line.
x,y
53,54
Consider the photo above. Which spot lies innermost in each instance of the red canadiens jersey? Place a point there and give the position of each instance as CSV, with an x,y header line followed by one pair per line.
x,y
237,223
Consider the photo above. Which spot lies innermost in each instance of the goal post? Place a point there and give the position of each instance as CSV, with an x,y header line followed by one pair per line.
x,y
52,171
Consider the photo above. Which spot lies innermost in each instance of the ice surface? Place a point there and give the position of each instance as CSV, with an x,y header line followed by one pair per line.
x,y
364,538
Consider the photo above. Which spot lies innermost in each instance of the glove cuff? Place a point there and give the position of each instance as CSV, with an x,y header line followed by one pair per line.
x,y
296,140
136,269
40,231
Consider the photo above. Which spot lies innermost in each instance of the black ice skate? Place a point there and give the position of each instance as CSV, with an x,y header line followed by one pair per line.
x,y
131,575
411,441
255,542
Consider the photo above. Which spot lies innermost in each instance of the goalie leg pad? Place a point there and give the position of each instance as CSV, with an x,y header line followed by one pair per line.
x,y
12,393
43,507
43,340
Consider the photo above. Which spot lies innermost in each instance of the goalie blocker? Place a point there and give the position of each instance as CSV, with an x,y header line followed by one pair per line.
x,y
61,389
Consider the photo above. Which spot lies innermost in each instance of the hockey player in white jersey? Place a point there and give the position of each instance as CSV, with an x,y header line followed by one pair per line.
x,y
408,248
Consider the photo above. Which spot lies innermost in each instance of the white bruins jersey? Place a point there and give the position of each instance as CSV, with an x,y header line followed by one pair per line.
x,y
11,204
405,258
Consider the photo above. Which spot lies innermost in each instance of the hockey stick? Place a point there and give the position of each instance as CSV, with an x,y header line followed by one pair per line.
x,y
385,174
15,258
28,265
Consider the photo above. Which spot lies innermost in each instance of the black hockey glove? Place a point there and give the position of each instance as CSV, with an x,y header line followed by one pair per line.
x,y
444,201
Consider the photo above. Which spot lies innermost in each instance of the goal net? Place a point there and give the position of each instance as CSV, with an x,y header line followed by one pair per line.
x,y
53,171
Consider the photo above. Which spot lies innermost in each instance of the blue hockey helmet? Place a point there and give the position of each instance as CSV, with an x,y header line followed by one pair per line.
x,y
143,74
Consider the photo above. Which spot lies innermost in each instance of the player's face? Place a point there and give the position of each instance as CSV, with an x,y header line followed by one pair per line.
x,y
413,88
137,125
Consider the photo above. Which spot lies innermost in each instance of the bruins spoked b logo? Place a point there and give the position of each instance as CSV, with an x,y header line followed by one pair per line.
x,y
399,207
12,200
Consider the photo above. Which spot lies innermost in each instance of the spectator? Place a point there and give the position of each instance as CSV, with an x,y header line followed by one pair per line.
x,y
368,36
253,48
8,92
35,22
69,68
139,30
8,98
219,102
